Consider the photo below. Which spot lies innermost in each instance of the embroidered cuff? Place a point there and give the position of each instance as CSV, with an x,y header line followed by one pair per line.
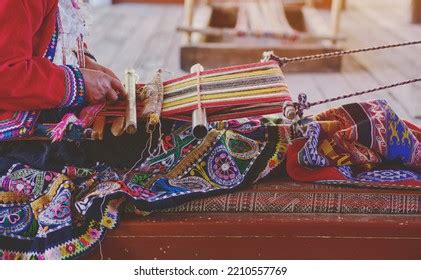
x,y
75,87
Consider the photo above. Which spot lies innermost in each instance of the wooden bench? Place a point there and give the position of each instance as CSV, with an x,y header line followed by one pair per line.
x,y
206,25
277,219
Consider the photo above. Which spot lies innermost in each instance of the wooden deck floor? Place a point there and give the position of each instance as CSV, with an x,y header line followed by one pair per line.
x,y
143,36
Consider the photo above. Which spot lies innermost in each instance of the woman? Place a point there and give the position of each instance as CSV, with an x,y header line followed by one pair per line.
x,y
56,202
42,79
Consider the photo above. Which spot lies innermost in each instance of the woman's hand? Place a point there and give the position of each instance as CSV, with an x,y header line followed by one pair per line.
x,y
101,87
93,65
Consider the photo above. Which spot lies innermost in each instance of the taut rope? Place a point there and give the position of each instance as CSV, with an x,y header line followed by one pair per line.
x,y
358,93
283,61
302,103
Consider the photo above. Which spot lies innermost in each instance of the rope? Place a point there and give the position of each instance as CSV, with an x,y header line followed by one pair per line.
x,y
297,127
302,103
358,93
283,61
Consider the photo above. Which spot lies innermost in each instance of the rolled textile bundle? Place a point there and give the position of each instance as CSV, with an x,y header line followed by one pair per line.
x,y
152,97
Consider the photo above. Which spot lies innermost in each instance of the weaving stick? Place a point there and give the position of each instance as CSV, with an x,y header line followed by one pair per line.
x,y
81,52
131,113
98,128
117,127
199,118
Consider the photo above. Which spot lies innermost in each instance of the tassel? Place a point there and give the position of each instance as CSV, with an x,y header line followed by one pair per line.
x,y
68,123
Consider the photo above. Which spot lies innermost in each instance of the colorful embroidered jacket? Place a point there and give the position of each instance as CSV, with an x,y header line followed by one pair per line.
x,y
29,81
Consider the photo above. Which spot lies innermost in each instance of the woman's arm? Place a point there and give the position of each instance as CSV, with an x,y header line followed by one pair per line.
x,y
27,82
34,83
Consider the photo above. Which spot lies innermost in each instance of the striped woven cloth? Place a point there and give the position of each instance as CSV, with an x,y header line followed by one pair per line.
x,y
239,91
226,93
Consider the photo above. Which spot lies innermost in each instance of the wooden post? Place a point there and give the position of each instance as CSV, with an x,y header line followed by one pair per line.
x,y
131,112
188,17
309,3
416,11
335,17
199,118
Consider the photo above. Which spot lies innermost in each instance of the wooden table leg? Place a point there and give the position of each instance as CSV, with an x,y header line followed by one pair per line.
x,y
416,11
188,17
335,18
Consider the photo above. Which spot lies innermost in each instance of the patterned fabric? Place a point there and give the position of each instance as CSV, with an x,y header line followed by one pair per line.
x,y
50,215
18,125
359,144
283,196
50,53
230,87
61,215
226,93
21,124
75,93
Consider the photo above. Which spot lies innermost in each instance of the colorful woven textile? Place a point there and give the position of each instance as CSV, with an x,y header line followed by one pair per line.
x,y
231,87
61,215
231,92
283,196
360,144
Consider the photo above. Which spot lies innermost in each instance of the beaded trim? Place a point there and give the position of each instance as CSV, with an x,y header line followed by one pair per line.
x,y
75,87
52,46
19,125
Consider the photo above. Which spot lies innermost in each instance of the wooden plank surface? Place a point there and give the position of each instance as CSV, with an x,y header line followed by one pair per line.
x,y
143,36
263,236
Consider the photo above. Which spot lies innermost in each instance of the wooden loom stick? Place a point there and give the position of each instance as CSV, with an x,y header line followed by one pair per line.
x,y
199,118
117,127
98,128
131,113
188,17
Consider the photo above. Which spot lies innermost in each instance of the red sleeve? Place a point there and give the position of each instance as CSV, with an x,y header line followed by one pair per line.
x,y
28,82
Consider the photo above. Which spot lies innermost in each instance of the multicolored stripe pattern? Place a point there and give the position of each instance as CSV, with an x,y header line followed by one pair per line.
x,y
22,124
50,52
19,125
75,87
230,90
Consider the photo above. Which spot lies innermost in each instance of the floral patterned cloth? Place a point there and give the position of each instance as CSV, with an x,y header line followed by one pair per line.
x,y
61,215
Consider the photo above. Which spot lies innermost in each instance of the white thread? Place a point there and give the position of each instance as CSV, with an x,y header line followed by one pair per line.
x,y
102,215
